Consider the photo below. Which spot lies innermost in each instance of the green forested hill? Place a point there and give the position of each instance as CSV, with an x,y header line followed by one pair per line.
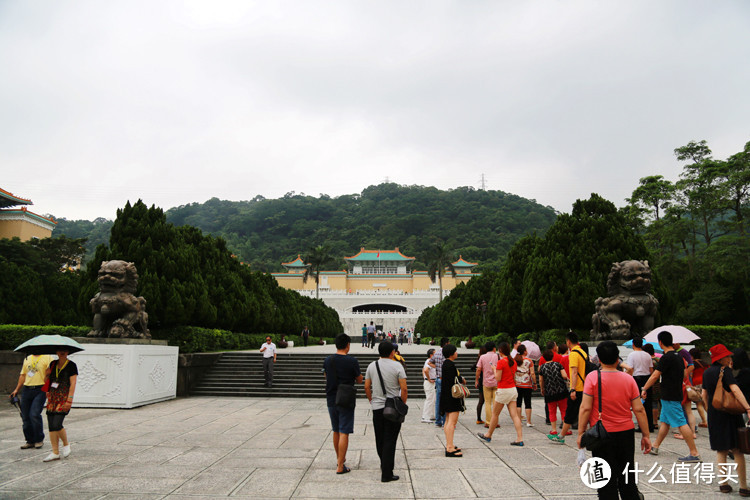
x,y
480,225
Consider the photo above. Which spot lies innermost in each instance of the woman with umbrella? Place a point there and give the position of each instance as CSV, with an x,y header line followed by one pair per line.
x,y
62,374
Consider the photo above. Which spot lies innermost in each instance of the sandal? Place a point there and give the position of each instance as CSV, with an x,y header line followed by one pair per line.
x,y
725,488
454,453
744,492
346,469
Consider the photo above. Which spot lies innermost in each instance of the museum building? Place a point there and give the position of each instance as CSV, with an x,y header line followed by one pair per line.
x,y
378,286
20,222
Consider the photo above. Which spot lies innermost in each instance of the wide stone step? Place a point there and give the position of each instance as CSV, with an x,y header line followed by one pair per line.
x,y
297,375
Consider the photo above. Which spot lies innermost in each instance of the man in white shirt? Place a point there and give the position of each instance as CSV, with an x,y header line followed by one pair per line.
x,y
641,369
386,431
269,358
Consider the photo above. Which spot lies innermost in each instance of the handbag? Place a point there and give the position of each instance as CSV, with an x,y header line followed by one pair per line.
x,y
459,390
743,438
45,387
346,394
724,400
693,393
596,437
395,409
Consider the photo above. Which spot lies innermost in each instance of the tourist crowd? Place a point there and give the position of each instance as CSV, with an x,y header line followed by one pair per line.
x,y
583,390
586,391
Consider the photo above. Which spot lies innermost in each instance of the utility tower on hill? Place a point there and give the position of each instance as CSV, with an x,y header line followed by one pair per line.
x,y
483,183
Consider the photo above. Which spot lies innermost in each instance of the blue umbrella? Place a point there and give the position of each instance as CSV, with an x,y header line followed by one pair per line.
x,y
629,343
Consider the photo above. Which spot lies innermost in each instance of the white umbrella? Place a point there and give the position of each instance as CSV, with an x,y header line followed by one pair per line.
x,y
532,350
680,334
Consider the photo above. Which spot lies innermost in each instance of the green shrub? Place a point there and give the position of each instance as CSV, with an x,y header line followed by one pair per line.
x,y
188,338
11,336
732,336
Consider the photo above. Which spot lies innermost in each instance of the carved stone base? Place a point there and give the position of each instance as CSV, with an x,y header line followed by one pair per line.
x,y
124,375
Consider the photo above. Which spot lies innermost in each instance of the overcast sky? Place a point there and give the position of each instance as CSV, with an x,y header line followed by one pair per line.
x,y
179,102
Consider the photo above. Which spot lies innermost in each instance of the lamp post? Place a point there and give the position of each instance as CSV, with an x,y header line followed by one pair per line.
x,y
482,308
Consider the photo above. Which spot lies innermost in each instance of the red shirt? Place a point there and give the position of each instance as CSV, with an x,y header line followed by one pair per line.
x,y
507,377
618,392
563,360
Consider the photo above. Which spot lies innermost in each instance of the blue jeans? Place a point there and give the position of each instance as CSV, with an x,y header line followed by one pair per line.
x,y
32,403
439,419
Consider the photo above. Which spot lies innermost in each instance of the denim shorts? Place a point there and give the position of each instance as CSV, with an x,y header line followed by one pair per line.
x,y
342,419
672,414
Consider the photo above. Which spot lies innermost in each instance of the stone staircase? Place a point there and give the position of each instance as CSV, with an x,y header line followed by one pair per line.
x,y
300,375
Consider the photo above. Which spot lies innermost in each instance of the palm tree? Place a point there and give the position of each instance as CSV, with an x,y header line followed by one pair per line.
x,y
438,262
316,258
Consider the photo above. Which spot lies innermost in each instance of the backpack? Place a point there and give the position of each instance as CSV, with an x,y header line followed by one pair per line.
x,y
588,365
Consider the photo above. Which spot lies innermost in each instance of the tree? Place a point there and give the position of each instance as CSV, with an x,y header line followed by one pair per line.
x,y
652,194
317,257
568,269
736,177
440,260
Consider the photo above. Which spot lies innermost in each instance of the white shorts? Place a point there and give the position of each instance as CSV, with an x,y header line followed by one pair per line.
x,y
505,396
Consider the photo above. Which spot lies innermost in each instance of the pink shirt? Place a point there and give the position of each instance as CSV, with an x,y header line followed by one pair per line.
x,y
618,392
487,364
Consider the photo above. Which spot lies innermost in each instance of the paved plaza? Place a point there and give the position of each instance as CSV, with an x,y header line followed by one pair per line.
x,y
202,447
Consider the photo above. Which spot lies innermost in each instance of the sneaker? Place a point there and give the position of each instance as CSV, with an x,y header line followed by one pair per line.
x,y
555,438
529,425
51,457
690,459
65,451
654,451
483,437
38,445
26,446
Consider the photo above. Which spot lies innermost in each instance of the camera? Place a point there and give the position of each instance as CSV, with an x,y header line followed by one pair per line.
x,y
14,400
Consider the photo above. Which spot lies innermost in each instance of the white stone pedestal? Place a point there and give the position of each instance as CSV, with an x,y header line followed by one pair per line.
x,y
124,375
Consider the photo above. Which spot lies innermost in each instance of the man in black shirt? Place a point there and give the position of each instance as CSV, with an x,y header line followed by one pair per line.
x,y
341,368
671,369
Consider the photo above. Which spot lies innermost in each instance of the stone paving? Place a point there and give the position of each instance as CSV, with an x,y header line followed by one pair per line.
x,y
206,448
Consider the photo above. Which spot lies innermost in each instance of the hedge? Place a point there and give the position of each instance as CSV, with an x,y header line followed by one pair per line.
x,y
189,339
11,336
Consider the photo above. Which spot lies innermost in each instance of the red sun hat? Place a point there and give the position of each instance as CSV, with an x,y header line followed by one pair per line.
x,y
718,352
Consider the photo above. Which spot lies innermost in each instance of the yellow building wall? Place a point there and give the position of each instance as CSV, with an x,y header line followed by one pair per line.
x,y
368,284
23,230
342,283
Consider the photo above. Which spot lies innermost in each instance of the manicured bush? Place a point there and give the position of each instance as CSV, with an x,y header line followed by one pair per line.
x,y
11,336
188,338
732,336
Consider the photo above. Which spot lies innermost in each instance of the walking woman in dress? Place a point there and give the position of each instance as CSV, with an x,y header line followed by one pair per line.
x,y
63,374
449,405
722,426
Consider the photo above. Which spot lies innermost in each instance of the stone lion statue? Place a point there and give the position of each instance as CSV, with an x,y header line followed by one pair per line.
x,y
630,309
117,311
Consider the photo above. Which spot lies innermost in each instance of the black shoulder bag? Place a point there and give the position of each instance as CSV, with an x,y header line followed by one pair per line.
x,y
346,394
395,409
596,437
